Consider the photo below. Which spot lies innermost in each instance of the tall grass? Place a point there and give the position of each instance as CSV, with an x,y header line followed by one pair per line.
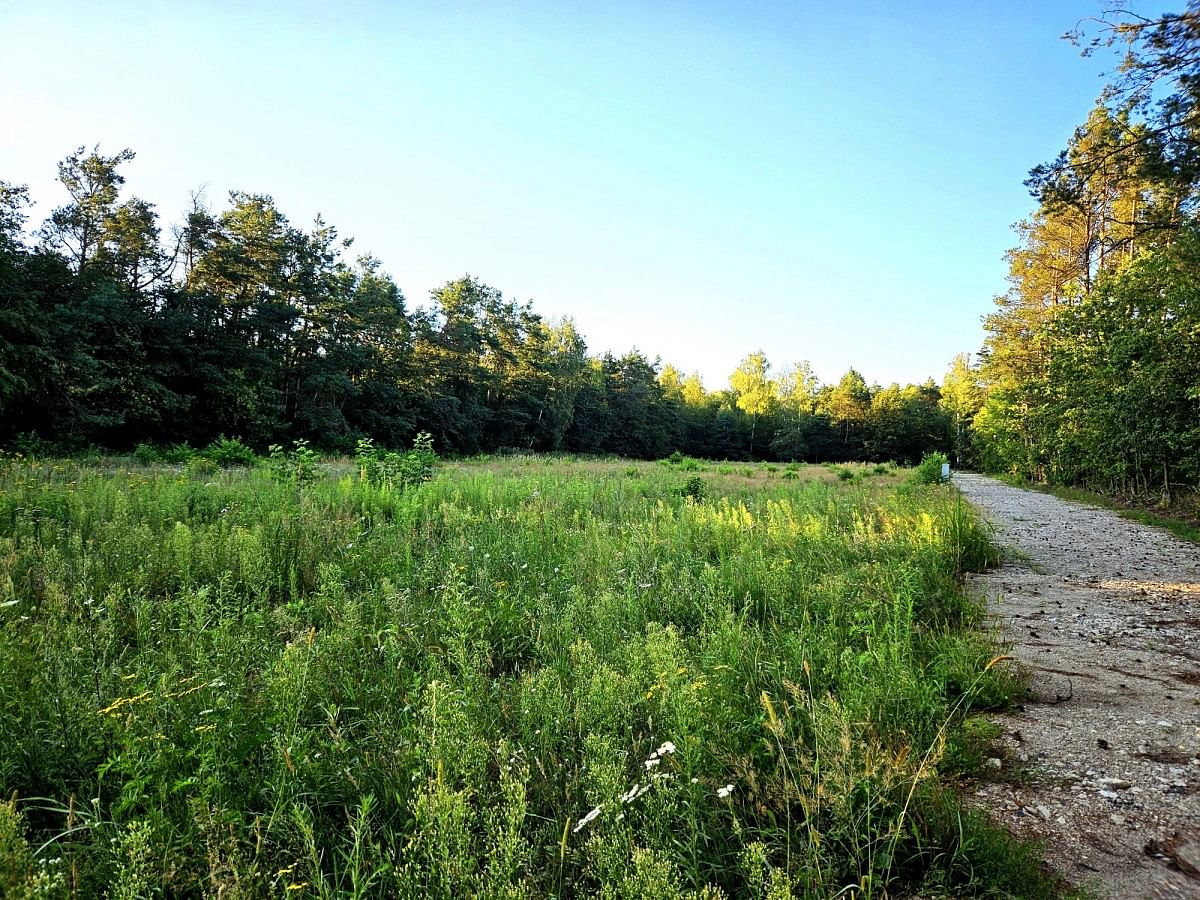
x,y
562,679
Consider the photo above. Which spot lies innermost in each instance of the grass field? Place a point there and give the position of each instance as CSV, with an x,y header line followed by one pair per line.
x,y
526,677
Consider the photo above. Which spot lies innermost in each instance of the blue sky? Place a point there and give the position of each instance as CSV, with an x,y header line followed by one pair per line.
x,y
832,182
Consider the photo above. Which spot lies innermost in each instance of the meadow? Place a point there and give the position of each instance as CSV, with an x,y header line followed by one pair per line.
x,y
522,677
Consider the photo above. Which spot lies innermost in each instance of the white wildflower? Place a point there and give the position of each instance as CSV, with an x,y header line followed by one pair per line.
x,y
723,793
583,823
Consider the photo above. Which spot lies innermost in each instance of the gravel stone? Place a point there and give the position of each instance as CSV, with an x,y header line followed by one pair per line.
x,y
1103,615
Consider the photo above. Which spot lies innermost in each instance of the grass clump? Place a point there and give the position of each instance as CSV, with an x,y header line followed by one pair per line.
x,y
498,679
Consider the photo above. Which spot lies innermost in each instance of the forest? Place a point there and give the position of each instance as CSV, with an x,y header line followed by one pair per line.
x,y
115,332
1090,369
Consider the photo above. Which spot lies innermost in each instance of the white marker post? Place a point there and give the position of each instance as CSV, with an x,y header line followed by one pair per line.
x,y
945,471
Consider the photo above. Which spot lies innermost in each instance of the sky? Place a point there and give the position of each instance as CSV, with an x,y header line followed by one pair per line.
x,y
832,182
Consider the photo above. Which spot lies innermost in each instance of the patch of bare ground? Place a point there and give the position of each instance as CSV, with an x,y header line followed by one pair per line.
x,y
1104,616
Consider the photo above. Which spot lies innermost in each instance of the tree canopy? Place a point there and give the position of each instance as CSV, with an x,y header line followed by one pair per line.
x,y
115,330
1089,369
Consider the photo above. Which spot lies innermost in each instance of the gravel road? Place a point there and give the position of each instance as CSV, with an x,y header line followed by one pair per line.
x,y
1104,614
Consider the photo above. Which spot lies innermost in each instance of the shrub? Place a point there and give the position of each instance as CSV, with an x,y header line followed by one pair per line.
x,y
929,470
300,465
146,454
694,488
683,463
177,454
227,452
389,470
200,468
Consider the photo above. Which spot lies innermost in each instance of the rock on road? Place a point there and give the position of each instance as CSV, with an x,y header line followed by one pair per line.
x,y
1104,615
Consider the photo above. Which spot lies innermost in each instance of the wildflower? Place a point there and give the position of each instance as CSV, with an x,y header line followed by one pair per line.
x,y
651,763
583,823
8,603
723,793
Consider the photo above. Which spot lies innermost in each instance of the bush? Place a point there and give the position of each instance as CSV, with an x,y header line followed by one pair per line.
x,y
146,454
200,468
390,470
929,470
177,454
227,452
300,465
694,488
683,463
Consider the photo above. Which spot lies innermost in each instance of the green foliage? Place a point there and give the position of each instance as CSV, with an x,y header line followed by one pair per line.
x,y
243,323
146,454
299,466
428,691
391,471
929,470
227,452
694,488
201,468
177,454
681,463
22,875
1090,363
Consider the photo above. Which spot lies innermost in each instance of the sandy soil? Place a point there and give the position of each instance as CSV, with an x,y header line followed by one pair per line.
x,y
1104,760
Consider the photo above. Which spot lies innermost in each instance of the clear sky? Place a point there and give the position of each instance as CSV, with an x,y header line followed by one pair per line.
x,y
825,181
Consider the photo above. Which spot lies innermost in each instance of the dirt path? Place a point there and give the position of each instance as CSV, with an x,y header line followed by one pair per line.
x,y
1105,615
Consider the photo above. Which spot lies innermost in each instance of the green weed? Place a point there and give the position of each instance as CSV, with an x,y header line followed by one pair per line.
x,y
513,677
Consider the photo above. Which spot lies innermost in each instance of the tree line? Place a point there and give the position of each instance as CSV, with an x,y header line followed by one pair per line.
x,y
1090,370
115,331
